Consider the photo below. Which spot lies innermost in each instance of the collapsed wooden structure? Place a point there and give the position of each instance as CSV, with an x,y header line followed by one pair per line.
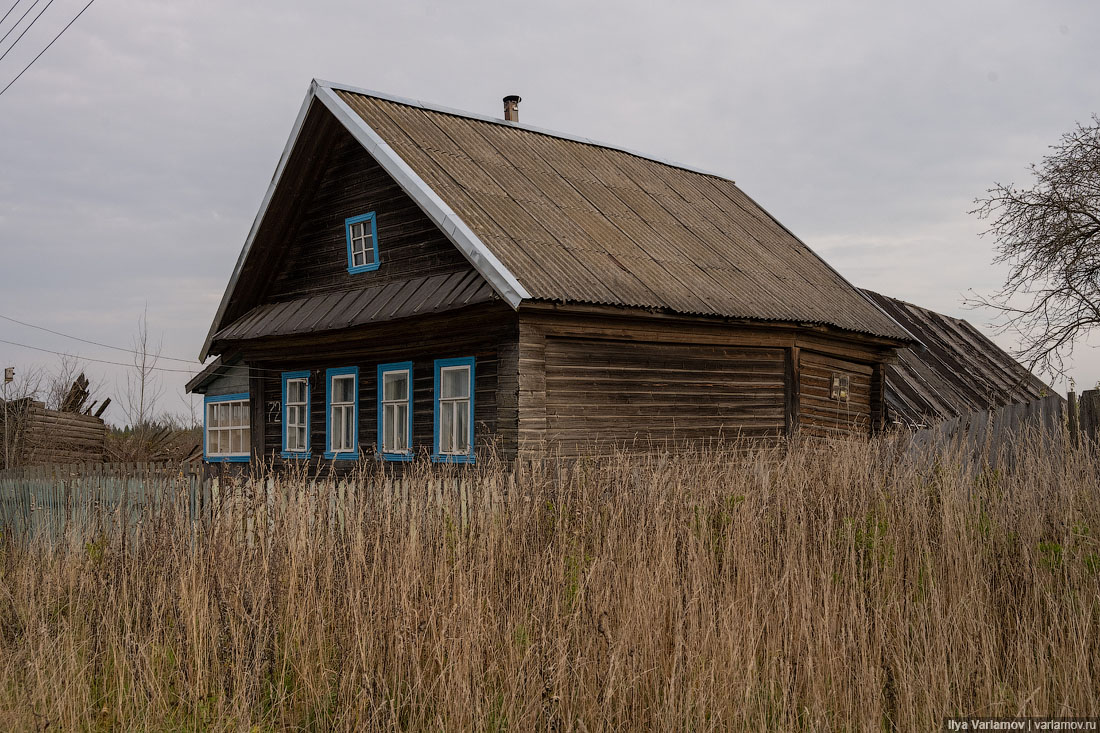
x,y
36,436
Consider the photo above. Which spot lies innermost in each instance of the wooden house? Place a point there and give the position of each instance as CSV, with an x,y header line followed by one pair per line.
x,y
421,281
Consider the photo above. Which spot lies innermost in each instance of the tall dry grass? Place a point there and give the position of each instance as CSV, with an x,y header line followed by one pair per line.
x,y
825,587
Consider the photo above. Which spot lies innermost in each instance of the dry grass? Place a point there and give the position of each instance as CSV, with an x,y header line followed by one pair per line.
x,y
821,588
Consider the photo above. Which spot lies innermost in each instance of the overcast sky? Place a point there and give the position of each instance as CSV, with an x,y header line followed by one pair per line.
x,y
135,152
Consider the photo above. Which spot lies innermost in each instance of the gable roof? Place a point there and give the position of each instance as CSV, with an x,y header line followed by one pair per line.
x,y
545,216
954,370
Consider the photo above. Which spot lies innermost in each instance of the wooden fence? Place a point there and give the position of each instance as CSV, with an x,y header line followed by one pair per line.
x,y
52,498
86,499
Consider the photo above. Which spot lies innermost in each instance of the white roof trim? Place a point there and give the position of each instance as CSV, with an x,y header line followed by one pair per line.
x,y
484,261
506,123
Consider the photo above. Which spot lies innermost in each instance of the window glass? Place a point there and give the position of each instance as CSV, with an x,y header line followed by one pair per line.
x,y
446,427
395,385
342,389
227,429
462,427
456,382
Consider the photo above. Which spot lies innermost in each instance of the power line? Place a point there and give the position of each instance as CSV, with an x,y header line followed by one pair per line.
x,y
190,372
47,48
24,15
29,26
9,11
93,343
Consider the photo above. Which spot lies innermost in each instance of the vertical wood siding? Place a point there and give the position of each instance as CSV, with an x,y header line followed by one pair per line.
x,y
315,257
821,416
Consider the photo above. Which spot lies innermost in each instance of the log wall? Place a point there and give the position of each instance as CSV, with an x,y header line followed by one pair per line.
x,y
488,333
822,416
40,436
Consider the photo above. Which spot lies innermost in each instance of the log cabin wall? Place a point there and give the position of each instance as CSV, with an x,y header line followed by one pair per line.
x,y
486,332
591,379
41,436
314,259
823,415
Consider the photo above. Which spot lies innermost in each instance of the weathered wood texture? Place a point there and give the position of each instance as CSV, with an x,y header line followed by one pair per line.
x,y
643,396
39,436
658,380
314,259
822,416
486,332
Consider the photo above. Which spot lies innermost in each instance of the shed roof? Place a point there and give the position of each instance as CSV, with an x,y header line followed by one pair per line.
x,y
349,308
546,216
957,371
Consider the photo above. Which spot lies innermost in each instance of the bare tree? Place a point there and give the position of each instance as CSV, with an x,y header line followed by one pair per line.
x,y
1049,235
143,385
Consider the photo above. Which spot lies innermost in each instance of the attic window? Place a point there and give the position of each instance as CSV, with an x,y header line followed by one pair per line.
x,y
362,235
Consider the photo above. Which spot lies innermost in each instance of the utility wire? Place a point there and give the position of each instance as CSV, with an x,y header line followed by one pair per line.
x,y
197,365
93,343
29,26
191,372
24,15
9,11
47,48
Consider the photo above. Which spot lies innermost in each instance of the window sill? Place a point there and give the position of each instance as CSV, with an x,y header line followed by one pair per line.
x,y
296,455
448,458
226,459
342,456
363,268
396,457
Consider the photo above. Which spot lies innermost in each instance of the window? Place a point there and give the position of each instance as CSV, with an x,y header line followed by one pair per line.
x,y
227,436
395,411
362,243
454,410
838,387
295,415
342,413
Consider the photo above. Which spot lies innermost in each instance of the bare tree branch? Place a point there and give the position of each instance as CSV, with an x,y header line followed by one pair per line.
x,y
1049,236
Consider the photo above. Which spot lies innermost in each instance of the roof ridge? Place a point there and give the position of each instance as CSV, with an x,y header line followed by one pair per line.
x,y
455,112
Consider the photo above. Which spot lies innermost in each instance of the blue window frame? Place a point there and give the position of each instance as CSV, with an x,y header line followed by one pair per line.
x,y
453,441
395,415
295,415
362,235
342,413
226,435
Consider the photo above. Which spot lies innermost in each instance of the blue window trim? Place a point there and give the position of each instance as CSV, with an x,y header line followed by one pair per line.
x,y
436,455
302,454
400,366
208,400
373,240
329,453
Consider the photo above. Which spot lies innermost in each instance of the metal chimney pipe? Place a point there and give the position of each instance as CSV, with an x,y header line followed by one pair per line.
x,y
511,107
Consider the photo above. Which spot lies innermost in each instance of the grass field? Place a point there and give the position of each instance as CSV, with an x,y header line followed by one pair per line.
x,y
824,587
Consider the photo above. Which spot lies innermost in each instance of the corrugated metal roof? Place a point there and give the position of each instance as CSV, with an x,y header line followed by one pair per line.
x,y
572,220
332,311
958,370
